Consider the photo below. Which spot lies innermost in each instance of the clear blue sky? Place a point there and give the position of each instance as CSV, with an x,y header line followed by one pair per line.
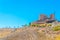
x,y
20,12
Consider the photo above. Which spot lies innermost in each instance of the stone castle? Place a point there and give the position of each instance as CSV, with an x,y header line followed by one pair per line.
x,y
44,19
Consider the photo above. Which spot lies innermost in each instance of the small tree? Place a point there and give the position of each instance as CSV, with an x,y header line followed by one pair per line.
x,y
29,24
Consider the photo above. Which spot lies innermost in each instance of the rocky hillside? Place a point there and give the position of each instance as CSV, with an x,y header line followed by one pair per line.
x,y
29,33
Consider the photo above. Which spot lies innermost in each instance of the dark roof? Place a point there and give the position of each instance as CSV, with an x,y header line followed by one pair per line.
x,y
50,21
43,21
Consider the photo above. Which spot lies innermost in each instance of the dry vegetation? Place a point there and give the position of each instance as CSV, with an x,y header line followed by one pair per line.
x,y
29,33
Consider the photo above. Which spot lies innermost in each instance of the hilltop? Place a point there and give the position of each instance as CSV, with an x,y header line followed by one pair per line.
x,y
31,33
43,29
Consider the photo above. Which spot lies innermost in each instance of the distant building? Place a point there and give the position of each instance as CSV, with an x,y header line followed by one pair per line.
x,y
52,16
44,19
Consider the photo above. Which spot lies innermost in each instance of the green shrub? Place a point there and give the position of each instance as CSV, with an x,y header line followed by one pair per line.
x,y
56,28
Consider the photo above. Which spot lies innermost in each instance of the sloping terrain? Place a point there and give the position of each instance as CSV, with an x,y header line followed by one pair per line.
x,y
29,33
5,32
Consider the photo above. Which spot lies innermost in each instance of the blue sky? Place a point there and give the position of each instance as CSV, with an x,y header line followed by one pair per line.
x,y
20,12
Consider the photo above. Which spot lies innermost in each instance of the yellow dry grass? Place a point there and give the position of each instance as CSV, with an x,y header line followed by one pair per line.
x,y
30,33
4,34
57,37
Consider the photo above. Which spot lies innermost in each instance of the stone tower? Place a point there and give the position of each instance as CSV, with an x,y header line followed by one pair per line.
x,y
52,16
42,17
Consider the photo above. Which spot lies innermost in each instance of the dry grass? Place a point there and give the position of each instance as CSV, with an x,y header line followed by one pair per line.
x,y
57,37
30,33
